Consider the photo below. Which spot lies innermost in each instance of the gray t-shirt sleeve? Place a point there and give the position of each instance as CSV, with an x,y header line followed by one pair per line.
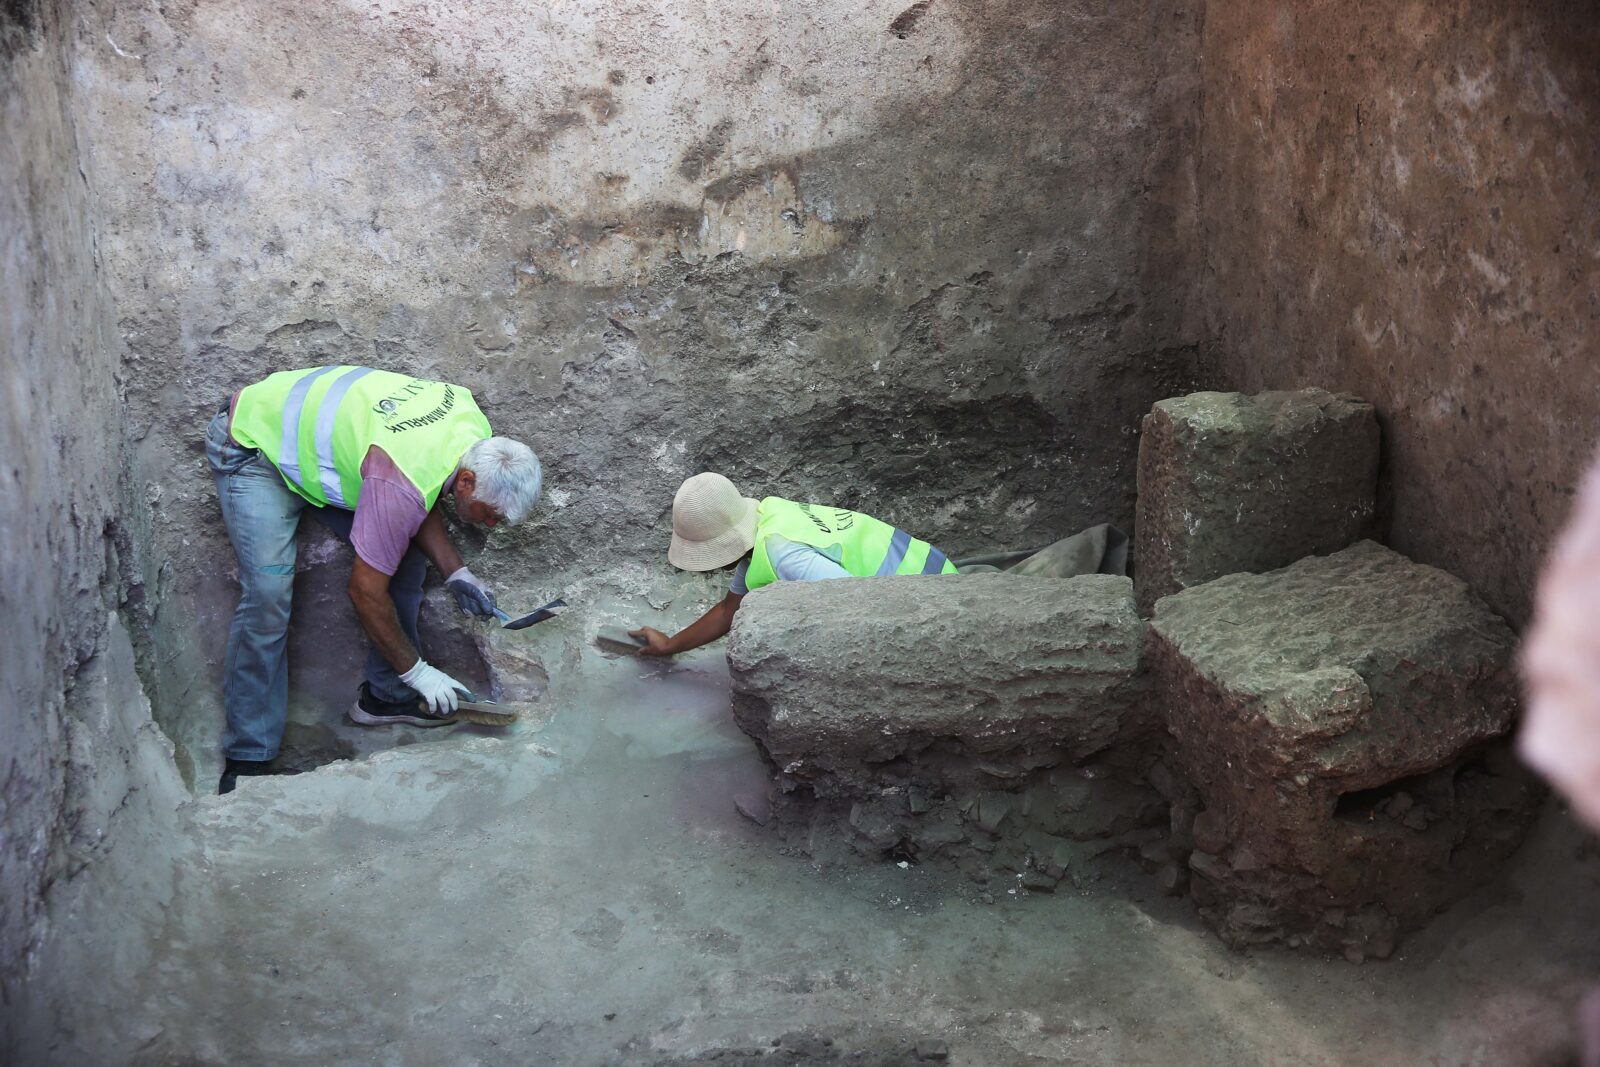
x,y
794,562
791,562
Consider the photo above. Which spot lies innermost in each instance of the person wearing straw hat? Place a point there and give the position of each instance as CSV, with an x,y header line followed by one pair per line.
x,y
772,540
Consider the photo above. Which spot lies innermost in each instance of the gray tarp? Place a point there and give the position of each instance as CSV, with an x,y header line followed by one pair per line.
x,y
1100,549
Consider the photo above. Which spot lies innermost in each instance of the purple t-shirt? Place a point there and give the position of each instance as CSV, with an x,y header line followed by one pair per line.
x,y
389,512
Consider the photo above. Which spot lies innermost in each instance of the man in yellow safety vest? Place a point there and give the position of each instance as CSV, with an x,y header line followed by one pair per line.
x,y
775,540
372,455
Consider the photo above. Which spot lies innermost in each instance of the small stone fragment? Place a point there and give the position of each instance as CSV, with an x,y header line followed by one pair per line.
x,y
1208,865
1037,881
940,831
1180,826
932,1049
992,811
1244,861
1209,833
1154,854
876,827
804,1046
754,806
1167,783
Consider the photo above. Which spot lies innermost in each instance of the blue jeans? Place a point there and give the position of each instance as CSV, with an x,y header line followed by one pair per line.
x,y
262,514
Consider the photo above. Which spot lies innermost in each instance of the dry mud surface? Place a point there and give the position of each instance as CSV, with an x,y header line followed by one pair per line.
x,y
582,890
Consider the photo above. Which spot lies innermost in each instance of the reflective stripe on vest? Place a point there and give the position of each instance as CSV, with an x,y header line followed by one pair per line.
x,y
896,554
289,439
864,546
330,417
329,409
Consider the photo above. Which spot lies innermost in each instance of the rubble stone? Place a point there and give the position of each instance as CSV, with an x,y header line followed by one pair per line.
x,y
971,680
754,806
1339,719
1230,483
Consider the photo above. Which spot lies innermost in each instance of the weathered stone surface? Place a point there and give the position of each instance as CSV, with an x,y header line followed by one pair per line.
x,y
1231,483
1339,719
849,686
993,722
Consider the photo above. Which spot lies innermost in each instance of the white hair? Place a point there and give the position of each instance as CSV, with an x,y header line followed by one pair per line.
x,y
508,474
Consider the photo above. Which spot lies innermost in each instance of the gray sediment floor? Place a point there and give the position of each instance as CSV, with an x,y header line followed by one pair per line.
x,y
582,890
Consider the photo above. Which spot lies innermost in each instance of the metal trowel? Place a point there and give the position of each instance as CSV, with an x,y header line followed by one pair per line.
x,y
549,611
617,640
470,707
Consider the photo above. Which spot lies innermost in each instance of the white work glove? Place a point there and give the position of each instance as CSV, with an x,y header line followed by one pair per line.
x,y
472,596
434,686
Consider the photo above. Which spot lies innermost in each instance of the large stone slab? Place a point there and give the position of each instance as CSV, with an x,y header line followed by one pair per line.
x,y
995,722
1229,483
1340,719
850,686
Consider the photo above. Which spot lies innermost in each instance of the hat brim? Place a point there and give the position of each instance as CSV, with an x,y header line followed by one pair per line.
x,y
720,550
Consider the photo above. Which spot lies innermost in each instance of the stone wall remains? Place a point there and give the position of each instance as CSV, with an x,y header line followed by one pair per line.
x,y
1397,202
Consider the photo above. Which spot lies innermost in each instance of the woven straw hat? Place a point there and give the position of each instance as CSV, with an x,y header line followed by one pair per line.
x,y
712,525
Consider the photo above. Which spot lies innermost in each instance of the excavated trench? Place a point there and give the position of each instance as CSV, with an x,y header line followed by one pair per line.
x,y
970,267
615,880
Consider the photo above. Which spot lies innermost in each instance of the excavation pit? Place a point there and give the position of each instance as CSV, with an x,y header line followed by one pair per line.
x,y
932,261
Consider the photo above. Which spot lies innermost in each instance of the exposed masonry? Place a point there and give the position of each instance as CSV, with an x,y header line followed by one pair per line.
x,y
1342,722
1231,483
1316,752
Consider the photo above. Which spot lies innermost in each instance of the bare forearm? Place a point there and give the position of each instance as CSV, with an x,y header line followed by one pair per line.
x,y
434,541
704,630
376,612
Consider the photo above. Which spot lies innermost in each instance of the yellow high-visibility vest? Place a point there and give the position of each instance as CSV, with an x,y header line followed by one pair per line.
x,y
316,426
864,546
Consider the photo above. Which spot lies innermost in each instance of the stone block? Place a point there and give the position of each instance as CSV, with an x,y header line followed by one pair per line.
x,y
1340,719
1230,483
969,681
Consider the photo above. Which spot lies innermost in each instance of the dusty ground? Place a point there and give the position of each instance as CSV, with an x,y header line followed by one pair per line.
x,y
582,891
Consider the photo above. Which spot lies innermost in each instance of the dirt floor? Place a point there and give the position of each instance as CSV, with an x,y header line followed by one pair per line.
x,y
583,891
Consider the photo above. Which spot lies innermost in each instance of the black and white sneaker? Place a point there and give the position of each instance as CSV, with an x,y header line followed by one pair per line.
x,y
368,710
